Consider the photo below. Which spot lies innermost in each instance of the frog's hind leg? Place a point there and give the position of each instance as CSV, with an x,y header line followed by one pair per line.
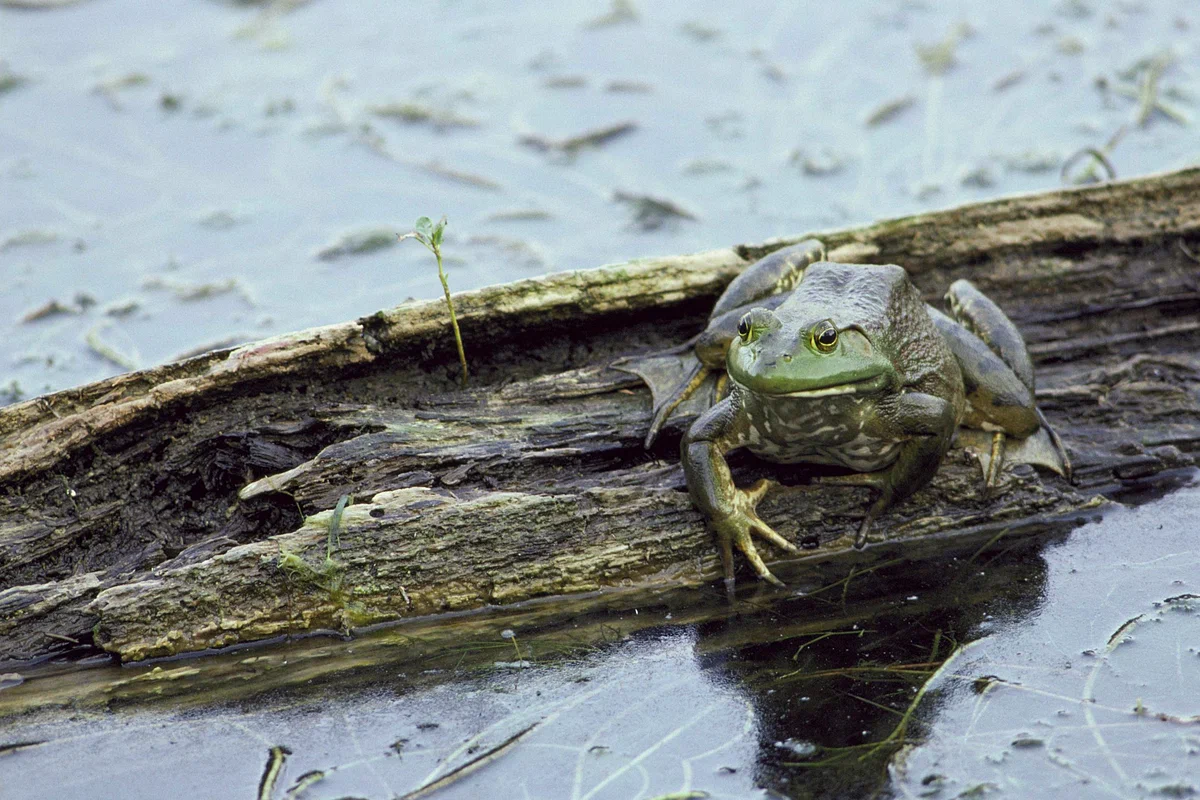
x,y
998,379
774,273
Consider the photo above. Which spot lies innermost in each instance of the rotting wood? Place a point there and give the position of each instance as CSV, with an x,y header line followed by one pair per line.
x,y
152,509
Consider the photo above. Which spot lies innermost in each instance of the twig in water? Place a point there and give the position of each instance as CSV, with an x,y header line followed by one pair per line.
x,y
275,760
477,763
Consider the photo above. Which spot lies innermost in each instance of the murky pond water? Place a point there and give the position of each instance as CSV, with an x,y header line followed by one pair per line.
x,y
176,177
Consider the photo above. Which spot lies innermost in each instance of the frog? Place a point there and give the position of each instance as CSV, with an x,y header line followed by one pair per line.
x,y
846,365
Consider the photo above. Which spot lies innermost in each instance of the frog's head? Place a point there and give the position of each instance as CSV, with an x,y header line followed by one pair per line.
x,y
800,351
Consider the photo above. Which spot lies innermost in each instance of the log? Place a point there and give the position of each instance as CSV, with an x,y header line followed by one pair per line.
x,y
190,506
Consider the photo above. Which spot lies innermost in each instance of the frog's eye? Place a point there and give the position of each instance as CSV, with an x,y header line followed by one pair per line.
x,y
745,328
825,336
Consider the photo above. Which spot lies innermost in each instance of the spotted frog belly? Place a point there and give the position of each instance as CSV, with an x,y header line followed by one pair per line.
x,y
821,430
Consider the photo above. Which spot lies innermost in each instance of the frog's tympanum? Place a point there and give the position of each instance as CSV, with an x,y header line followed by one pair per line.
x,y
845,364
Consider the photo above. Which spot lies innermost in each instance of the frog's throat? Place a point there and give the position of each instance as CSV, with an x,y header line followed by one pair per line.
x,y
870,384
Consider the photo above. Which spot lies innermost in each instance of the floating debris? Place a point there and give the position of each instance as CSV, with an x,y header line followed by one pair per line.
x,y
190,292
1005,82
827,162
458,176
50,309
10,80
276,108
979,178
170,102
417,114
1088,175
573,144
544,60
29,238
1070,46
357,243
926,191
276,758
774,72
628,87
699,31
621,12
706,166
889,111
121,308
939,58
107,351
565,82
13,393
110,89
1031,162
726,126
1075,9
520,215
1147,72
652,213
220,220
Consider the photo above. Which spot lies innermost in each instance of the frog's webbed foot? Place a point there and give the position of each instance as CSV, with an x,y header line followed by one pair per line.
x,y
1042,448
1063,466
738,529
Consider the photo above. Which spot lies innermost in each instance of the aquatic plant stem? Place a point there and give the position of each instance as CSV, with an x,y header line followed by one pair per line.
x,y
430,235
462,356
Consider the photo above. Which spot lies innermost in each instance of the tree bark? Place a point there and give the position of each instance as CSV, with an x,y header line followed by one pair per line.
x,y
190,506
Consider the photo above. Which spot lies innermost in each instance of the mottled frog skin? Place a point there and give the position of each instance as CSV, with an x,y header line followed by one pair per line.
x,y
845,364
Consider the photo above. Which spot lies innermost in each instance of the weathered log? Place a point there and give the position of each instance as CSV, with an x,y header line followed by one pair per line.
x,y
189,506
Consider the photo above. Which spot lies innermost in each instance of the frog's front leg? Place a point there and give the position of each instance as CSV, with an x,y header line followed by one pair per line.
x,y
926,423
731,511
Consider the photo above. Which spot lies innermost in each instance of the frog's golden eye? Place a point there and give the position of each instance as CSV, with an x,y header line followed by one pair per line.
x,y
745,328
825,336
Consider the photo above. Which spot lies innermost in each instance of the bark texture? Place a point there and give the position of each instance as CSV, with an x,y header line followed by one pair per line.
x,y
190,506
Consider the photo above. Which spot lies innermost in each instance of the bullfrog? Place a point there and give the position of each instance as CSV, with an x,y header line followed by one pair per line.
x,y
846,365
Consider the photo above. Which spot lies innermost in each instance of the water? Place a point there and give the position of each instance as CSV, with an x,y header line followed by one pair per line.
x,y
168,174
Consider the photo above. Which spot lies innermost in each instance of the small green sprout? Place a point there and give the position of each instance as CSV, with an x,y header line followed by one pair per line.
x,y
430,235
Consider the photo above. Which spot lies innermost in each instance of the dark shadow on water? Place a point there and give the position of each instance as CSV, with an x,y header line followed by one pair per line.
x,y
831,701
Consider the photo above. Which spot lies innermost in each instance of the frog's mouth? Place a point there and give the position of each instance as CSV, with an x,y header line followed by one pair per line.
x,y
872,383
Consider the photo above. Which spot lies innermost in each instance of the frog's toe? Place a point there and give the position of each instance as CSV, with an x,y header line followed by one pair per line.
x,y
765,531
860,538
877,508
994,463
751,552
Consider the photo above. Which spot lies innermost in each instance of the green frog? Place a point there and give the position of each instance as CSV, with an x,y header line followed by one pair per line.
x,y
846,365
